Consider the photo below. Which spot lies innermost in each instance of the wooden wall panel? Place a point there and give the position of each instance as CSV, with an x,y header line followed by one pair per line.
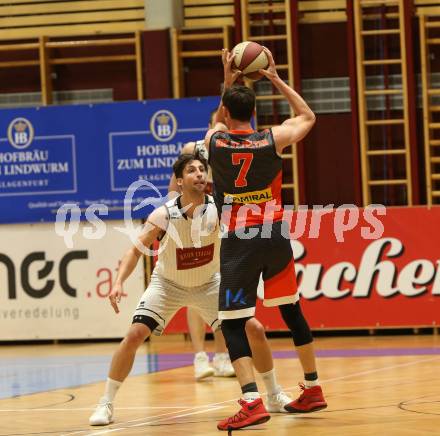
x,y
21,19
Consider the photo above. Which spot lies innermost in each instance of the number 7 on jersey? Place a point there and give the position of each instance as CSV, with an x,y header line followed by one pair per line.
x,y
246,158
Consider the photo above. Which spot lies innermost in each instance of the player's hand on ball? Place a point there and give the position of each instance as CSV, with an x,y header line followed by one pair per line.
x,y
271,71
115,296
230,75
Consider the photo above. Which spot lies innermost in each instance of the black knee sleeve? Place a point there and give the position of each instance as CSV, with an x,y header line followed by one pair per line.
x,y
235,337
151,323
294,319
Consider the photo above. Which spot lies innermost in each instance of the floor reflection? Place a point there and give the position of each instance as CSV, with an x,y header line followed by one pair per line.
x,y
28,375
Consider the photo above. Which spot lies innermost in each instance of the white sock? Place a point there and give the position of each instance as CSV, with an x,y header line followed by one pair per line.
x,y
270,381
311,383
250,396
111,387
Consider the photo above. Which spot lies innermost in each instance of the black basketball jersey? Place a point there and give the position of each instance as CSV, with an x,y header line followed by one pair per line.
x,y
247,171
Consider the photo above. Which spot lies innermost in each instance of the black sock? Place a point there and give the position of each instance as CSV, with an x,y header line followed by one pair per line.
x,y
311,376
250,387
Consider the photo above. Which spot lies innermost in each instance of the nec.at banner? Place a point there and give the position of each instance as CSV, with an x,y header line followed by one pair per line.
x,y
89,155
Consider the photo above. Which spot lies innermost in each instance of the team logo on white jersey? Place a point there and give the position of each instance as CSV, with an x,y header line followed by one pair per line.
x,y
20,133
163,125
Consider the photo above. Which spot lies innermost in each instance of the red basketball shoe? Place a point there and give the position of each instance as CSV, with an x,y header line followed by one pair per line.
x,y
250,414
310,400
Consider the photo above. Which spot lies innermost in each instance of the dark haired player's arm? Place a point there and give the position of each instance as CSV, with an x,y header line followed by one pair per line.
x,y
230,77
219,122
218,125
296,128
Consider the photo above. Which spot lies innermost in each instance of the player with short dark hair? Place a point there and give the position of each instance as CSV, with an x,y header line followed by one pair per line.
x,y
185,275
263,362
240,102
247,174
184,159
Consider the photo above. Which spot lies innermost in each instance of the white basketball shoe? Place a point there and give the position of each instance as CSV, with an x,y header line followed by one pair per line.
x,y
103,414
202,369
222,365
275,403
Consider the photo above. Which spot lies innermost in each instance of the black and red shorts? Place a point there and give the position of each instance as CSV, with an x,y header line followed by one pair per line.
x,y
243,260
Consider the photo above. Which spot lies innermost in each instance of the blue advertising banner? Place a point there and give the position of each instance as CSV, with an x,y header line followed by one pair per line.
x,y
90,154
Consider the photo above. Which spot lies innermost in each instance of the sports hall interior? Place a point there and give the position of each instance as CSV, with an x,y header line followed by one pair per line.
x,y
370,70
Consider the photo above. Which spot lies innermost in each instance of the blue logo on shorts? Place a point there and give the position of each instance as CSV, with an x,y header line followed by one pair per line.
x,y
235,297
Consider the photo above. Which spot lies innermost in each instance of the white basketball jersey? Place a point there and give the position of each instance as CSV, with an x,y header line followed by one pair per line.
x,y
189,251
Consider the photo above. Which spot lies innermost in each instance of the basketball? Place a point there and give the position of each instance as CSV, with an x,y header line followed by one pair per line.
x,y
249,58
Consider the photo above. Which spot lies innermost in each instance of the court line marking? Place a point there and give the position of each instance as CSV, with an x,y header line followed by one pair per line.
x,y
141,424
70,364
80,409
404,405
152,420
106,430
371,371
91,408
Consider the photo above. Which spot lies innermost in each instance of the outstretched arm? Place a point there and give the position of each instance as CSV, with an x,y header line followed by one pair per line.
x,y
230,76
296,128
155,225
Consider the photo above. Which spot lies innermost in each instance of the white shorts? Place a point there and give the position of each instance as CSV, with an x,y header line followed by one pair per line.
x,y
163,298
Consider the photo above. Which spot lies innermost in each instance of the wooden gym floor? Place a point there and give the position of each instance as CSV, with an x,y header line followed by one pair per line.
x,y
374,386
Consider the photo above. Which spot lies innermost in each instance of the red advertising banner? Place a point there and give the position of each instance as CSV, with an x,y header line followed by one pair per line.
x,y
363,268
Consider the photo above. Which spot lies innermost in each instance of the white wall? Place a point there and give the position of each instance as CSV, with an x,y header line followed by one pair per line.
x,y
42,307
